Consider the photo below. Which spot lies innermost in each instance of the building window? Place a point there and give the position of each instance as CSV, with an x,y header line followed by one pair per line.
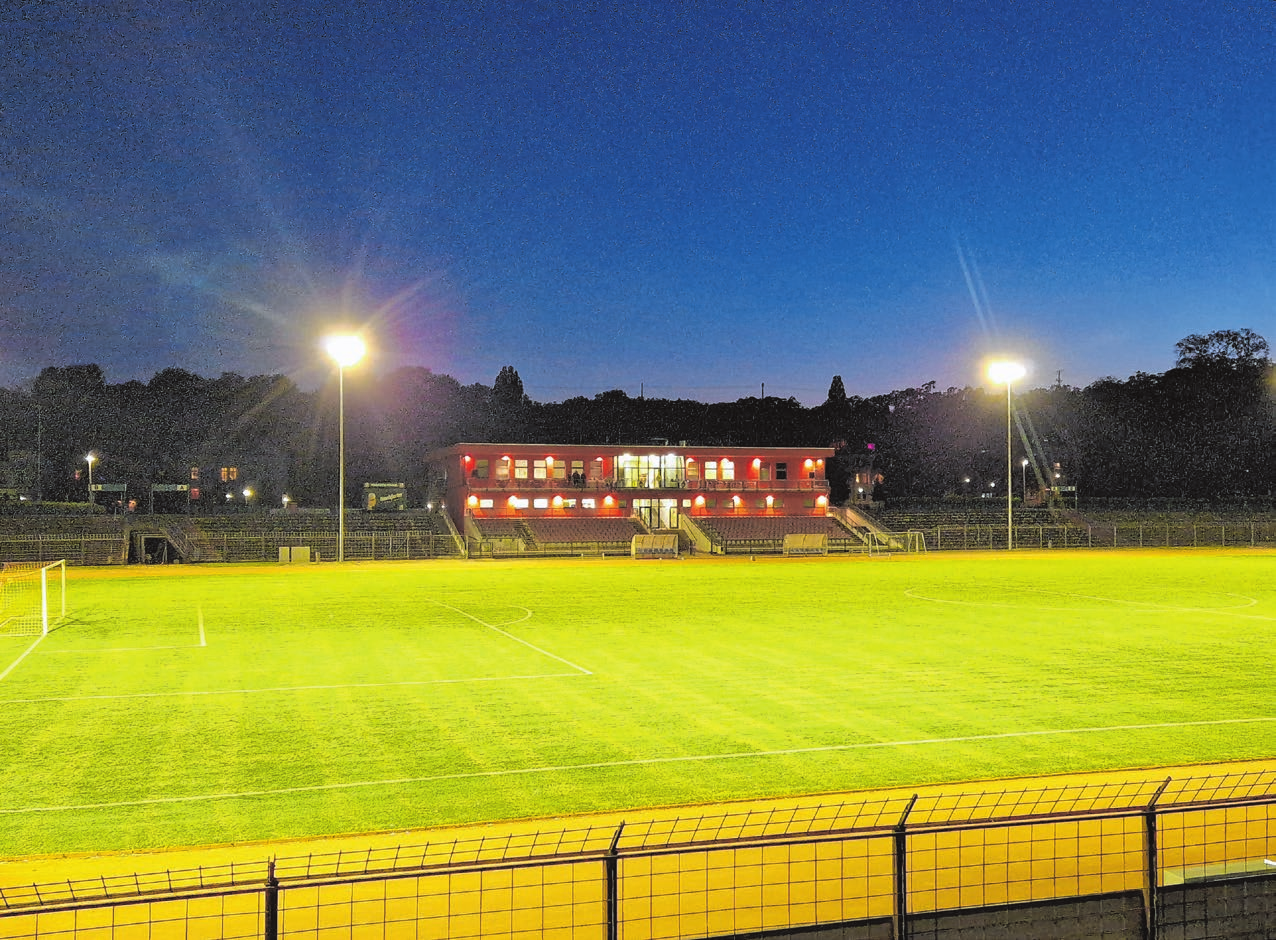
x,y
520,469
781,471
578,472
727,469
503,469
230,474
589,504
485,503
481,468
710,469
541,502
693,470
194,473
539,471
560,470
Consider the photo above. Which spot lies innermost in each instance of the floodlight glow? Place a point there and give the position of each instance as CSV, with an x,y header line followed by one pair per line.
x,y
345,349
1003,373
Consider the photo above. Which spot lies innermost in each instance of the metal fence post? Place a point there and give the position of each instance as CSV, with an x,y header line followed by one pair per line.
x,y
1153,895
901,872
613,885
270,929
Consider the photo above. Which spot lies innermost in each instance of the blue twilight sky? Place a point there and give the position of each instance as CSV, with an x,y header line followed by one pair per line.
x,y
687,199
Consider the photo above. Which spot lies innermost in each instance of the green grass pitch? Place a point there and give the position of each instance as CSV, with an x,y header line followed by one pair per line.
x,y
206,705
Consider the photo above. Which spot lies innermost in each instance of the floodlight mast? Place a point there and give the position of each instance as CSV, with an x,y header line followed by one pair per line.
x,y
1008,372
346,350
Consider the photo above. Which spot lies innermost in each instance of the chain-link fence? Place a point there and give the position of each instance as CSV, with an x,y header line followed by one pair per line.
x,y
1145,858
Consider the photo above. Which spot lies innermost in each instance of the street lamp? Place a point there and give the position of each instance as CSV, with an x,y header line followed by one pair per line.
x,y
1024,464
345,350
90,458
1008,372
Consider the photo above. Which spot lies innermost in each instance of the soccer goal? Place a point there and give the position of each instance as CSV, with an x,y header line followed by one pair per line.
x,y
32,596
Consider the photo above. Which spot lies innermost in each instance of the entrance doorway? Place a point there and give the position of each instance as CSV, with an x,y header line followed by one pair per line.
x,y
657,513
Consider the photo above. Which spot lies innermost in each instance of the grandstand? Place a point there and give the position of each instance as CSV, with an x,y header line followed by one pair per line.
x,y
546,536
766,534
138,538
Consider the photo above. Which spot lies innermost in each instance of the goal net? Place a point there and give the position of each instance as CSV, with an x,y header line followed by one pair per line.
x,y
32,596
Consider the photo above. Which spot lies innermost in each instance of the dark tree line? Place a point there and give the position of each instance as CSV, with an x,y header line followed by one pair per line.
x,y
1205,428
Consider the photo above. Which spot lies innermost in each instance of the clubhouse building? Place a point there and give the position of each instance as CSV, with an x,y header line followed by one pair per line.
x,y
655,484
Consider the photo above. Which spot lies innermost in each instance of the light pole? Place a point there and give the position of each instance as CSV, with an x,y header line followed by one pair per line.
x,y
345,350
90,458
1007,372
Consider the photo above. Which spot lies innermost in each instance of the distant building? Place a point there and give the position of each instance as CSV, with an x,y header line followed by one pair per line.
x,y
655,483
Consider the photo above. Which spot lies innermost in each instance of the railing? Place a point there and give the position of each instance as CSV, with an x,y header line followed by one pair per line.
x,y
734,486
79,549
359,546
1135,857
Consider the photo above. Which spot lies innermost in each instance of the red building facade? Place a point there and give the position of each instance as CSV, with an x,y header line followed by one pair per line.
x,y
654,483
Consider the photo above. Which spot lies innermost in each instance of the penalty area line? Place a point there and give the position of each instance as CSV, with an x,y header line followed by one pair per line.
x,y
202,644
25,653
609,765
509,636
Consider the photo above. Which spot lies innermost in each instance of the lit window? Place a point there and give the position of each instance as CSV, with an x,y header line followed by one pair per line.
x,y
503,469
194,473
710,469
520,469
539,470
727,469
518,502
541,502
589,504
485,504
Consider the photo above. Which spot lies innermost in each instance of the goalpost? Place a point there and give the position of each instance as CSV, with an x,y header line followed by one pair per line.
x,y
32,596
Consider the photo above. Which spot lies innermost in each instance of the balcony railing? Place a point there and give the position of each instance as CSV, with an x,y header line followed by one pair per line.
x,y
705,486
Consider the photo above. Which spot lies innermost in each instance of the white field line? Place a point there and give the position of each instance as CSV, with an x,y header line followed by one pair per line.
x,y
281,688
1148,607
638,762
25,653
527,614
203,642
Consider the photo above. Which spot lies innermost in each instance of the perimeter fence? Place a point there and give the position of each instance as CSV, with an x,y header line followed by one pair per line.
x,y
1120,535
1148,858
